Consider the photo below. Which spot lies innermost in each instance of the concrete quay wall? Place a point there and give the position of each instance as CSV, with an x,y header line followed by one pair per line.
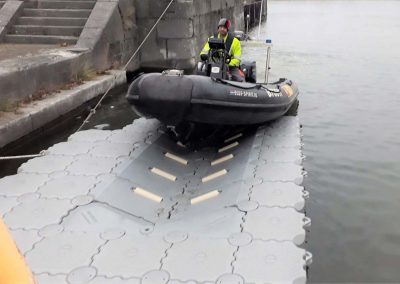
x,y
111,34
179,37
115,29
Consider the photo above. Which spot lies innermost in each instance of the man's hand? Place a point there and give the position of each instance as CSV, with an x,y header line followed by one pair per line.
x,y
203,57
228,59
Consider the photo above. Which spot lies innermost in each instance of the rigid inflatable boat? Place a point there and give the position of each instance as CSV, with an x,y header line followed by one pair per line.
x,y
208,97
174,98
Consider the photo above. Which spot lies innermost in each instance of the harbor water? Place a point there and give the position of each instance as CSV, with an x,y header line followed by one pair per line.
x,y
344,56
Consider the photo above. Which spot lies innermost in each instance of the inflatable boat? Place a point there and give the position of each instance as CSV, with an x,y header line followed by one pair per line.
x,y
209,97
174,98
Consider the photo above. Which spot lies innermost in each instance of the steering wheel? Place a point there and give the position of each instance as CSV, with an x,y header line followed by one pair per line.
x,y
215,56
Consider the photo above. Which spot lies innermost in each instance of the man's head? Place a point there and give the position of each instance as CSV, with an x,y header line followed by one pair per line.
x,y
223,27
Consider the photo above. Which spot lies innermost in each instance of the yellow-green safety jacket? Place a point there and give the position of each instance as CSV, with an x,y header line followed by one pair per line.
x,y
235,50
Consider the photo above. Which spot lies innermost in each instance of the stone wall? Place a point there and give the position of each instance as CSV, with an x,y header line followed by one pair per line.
x,y
111,34
181,34
116,28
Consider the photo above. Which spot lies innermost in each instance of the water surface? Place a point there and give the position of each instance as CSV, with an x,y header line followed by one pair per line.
x,y
345,57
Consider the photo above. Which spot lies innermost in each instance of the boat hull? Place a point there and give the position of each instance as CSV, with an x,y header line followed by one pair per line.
x,y
176,99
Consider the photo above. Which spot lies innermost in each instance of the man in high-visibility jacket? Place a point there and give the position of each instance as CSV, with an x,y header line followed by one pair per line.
x,y
233,48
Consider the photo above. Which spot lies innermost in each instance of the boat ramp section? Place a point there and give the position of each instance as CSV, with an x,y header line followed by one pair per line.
x,y
132,206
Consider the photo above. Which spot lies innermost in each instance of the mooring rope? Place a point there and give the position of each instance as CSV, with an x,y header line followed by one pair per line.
x,y
42,153
93,110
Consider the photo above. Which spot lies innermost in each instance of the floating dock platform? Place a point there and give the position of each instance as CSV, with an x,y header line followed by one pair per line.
x,y
132,206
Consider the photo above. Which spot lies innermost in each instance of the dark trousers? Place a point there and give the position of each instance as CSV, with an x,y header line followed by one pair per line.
x,y
236,74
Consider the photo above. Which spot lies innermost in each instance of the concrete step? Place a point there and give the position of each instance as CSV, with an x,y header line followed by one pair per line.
x,y
70,13
50,21
41,39
46,30
48,4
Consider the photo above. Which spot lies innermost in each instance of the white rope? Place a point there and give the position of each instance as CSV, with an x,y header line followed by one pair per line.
x,y
93,110
42,153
